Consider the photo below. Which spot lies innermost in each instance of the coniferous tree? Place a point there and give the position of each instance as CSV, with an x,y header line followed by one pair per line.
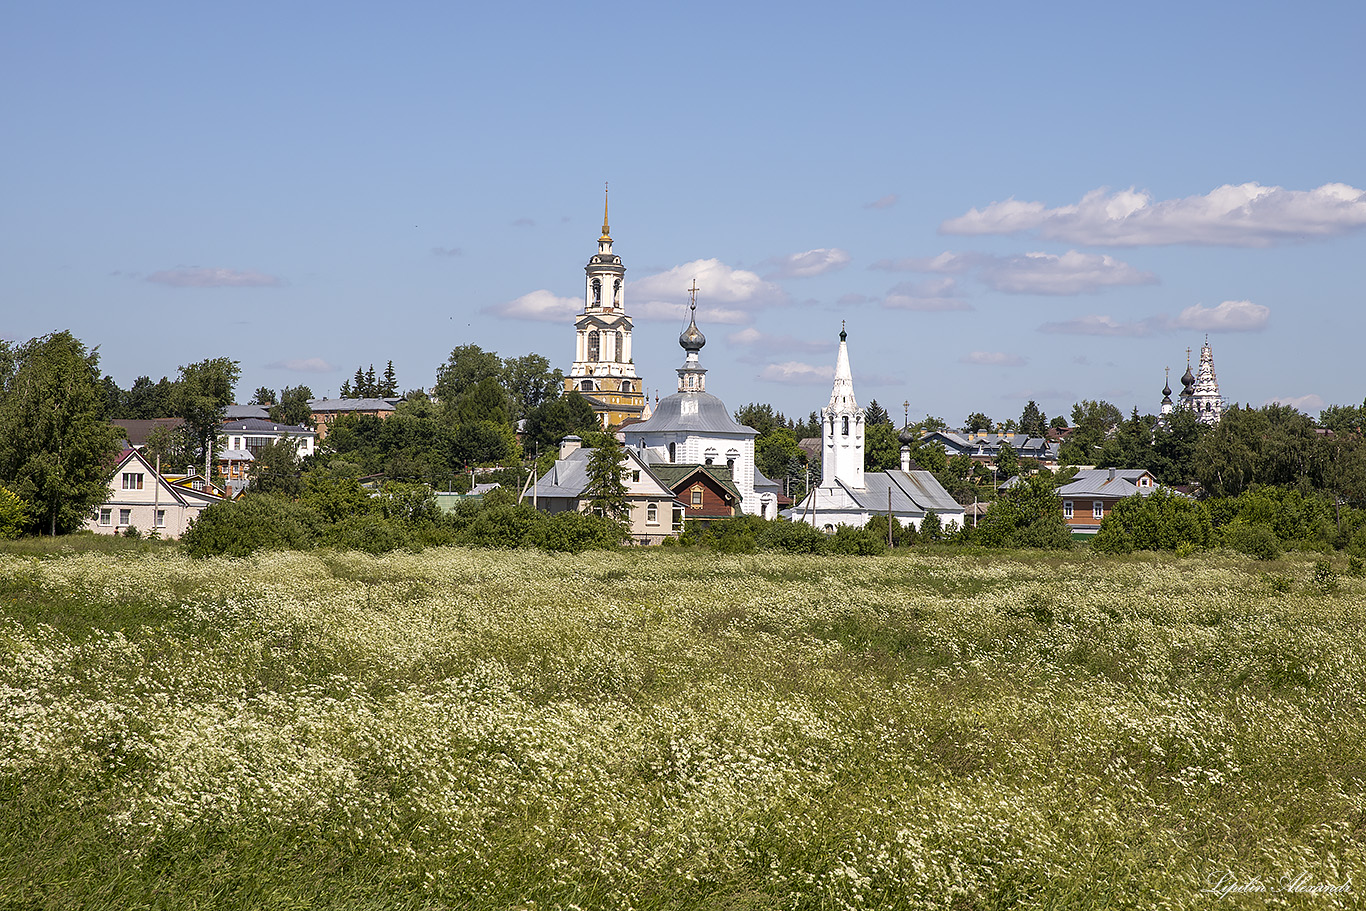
x,y
606,491
345,391
390,387
358,384
876,414
264,396
371,390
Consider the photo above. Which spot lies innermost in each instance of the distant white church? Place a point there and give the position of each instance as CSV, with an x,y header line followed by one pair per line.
x,y
847,494
1199,391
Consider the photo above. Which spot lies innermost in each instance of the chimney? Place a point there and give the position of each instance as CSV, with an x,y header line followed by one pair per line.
x,y
905,458
1112,474
569,444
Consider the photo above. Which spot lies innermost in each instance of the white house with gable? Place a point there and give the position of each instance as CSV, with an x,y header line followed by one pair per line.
x,y
143,499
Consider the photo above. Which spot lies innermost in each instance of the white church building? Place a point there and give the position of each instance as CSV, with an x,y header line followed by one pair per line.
x,y
693,427
847,494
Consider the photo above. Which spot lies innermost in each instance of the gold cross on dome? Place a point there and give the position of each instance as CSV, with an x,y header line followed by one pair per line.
x,y
693,291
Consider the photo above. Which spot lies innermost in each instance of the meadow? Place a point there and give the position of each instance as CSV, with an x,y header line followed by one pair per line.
x,y
672,729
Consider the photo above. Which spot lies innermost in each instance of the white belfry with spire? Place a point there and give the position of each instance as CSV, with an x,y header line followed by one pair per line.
x,y
1206,401
604,369
842,423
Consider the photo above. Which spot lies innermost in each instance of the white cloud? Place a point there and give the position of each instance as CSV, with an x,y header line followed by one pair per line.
x,y
725,295
665,312
993,359
200,277
538,305
1068,273
1230,316
940,294
805,265
797,372
886,202
1245,215
1309,404
1100,325
303,365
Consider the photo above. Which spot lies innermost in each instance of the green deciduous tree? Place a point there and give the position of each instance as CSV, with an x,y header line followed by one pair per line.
x,y
293,407
977,421
56,443
1026,514
275,469
556,419
13,514
202,393
530,383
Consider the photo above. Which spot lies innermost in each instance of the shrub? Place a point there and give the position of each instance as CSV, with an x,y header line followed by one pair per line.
x,y
931,529
502,526
1159,521
369,533
132,532
1254,540
235,528
861,542
573,532
793,538
1324,580
13,514
1028,514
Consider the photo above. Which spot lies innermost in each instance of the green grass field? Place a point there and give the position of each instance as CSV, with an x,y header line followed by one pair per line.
x,y
671,729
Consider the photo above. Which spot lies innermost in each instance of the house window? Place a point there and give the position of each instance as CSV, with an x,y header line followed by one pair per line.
x,y
106,516
125,516
652,514
1067,509
697,498
161,518
132,480
678,518
635,476
1097,509
236,442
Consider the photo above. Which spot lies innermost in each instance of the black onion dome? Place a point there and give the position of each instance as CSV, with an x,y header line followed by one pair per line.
x,y
691,338
1189,378
1167,389
906,437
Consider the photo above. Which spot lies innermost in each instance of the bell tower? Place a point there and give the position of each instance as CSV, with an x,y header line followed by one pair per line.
x,y
604,370
842,427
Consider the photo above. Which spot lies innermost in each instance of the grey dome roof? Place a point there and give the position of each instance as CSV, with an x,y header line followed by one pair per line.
x,y
691,338
690,412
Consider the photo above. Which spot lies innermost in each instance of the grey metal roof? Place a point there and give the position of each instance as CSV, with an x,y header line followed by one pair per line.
x,y
241,412
256,425
911,491
350,405
1106,482
691,412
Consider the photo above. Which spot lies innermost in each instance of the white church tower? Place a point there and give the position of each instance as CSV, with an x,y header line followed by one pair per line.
x,y
1206,401
842,427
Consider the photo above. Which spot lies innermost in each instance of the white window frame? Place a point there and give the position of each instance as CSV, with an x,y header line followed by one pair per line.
x,y
161,518
652,514
125,517
132,480
1067,509
1097,509
106,516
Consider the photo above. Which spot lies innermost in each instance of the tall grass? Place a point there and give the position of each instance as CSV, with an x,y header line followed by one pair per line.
x,y
655,729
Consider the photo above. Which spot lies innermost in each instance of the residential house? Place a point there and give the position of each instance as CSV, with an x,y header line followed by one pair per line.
x,y
707,492
245,438
985,447
141,498
327,412
1088,498
654,514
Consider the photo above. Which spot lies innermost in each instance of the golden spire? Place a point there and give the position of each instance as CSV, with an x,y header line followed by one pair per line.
x,y
606,231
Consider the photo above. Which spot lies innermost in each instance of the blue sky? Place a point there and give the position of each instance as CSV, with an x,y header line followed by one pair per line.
x,y
1003,201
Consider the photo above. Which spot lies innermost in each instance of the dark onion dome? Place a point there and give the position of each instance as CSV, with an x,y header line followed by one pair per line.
x,y
1167,389
906,437
1189,378
691,338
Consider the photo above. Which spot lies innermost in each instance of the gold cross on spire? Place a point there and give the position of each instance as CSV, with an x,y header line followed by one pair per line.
x,y
606,231
693,291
